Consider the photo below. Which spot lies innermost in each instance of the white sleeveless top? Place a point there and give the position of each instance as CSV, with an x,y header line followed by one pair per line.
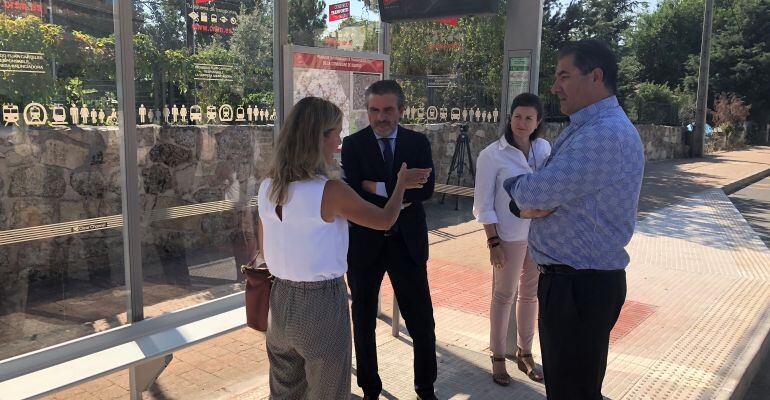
x,y
302,247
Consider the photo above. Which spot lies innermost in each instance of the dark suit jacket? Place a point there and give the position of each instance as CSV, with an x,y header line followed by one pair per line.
x,y
362,160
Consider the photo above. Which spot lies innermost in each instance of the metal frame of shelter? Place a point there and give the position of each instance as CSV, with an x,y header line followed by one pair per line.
x,y
145,346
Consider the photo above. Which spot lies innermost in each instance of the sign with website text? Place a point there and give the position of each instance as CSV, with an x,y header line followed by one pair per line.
x,y
212,17
339,11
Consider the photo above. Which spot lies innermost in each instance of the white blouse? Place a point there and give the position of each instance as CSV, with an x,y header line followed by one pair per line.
x,y
302,247
496,163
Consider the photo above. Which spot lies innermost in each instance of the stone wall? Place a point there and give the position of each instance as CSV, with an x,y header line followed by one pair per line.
x,y
660,143
50,175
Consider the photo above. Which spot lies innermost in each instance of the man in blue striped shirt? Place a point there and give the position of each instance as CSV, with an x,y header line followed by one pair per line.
x,y
583,204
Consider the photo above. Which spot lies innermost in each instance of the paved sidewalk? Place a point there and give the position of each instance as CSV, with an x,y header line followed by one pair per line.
x,y
697,310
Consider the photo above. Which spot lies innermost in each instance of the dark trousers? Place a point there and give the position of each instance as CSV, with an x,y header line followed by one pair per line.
x,y
410,284
577,313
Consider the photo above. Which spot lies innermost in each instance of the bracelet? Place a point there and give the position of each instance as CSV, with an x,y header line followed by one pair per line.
x,y
493,245
489,239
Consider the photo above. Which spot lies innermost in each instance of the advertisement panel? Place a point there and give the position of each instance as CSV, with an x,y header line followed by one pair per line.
x,y
339,79
339,11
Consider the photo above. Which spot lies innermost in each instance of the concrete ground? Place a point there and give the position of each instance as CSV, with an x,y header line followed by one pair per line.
x,y
697,311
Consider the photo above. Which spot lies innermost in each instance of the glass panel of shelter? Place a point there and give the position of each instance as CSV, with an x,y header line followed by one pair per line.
x,y
205,112
61,245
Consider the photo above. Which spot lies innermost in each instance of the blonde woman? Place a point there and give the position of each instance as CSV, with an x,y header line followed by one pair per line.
x,y
303,232
518,151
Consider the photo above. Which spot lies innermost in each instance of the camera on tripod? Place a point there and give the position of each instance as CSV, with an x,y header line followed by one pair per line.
x,y
462,150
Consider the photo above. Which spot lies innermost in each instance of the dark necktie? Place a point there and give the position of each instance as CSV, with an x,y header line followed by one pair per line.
x,y
387,154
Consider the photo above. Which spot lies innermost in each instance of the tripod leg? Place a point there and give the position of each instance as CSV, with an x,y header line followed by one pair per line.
x,y
452,166
470,162
460,164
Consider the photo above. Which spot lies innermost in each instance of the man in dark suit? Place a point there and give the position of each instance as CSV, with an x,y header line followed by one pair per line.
x,y
371,158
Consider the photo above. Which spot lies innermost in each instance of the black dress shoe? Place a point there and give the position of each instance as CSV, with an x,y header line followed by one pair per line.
x,y
367,397
429,396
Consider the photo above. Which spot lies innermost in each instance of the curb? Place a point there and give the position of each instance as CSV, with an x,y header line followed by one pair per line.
x,y
733,187
756,351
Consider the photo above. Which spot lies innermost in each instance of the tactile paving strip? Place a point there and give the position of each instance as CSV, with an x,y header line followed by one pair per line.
x,y
706,227
698,362
749,251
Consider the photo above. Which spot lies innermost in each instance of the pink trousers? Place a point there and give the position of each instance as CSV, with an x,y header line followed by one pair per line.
x,y
519,271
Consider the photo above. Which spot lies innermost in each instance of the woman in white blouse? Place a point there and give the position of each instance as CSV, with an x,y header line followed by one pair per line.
x,y
303,233
518,151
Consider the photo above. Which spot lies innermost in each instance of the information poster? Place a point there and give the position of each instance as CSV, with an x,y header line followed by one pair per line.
x,y
518,78
339,79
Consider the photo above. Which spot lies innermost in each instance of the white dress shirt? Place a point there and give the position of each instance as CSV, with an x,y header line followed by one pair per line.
x,y
496,163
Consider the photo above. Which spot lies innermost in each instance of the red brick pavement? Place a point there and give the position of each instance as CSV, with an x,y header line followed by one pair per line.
x,y
454,286
632,315
470,290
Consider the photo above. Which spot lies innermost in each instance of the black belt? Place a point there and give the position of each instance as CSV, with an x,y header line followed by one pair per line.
x,y
562,269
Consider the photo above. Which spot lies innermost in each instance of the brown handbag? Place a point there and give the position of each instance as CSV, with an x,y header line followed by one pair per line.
x,y
258,284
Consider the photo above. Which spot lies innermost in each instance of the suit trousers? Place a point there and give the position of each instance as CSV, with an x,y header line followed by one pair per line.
x,y
578,309
410,285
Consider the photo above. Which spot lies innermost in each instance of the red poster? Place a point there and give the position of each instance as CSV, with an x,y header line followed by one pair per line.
x,y
22,8
448,21
317,61
339,11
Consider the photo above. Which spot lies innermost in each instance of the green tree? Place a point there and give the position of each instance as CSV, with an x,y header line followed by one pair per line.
x,y
673,30
740,58
608,20
307,21
252,48
653,103
472,52
28,34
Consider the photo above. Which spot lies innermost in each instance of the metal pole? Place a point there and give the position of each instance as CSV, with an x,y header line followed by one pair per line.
x,y
132,253
383,39
703,82
523,34
280,38
53,58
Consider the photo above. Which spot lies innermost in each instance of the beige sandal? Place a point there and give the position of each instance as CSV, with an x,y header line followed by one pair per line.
x,y
527,365
500,378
